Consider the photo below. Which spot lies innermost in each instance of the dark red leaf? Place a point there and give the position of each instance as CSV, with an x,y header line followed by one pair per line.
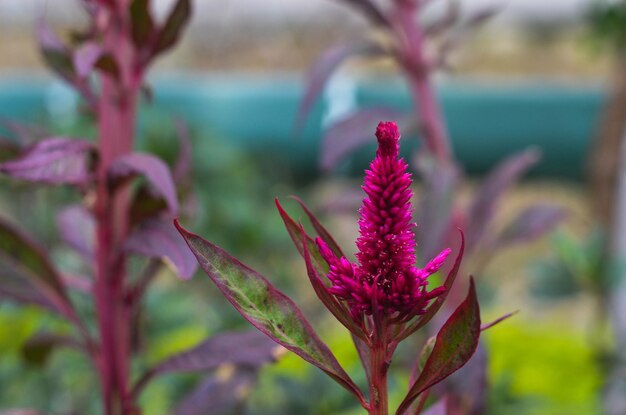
x,y
455,344
56,160
153,169
268,309
498,321
158,238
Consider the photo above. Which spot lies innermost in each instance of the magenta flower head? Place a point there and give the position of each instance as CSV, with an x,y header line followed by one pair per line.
x,y
385,278
381,299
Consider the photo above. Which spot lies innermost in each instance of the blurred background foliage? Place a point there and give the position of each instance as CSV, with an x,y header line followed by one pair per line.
x,y
551,358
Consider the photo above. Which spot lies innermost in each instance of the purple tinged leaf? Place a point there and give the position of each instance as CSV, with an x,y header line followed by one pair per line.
x,y
322,70
250,349
169,34
153,169
158,238
438,408
78,228
499,180
352,132
28,260
532,223
266,308
224,393
455,344
437,302
56,160
86,57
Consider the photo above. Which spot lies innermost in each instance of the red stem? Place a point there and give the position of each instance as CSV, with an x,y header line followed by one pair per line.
x,y
116,123
379,359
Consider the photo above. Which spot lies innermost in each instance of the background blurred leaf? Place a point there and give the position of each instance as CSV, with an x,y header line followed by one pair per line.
x,y
56,160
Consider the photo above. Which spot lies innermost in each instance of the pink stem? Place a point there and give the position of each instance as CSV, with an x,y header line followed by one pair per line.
x,y
116,123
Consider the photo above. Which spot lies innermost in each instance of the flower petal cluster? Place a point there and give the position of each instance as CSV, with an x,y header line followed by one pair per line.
x,y
385,277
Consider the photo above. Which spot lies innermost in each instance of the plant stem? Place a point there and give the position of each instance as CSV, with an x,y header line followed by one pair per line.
x,y
116,124
378,384
418,68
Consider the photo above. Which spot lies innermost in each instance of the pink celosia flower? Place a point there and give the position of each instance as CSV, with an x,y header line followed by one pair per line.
x,y
386,276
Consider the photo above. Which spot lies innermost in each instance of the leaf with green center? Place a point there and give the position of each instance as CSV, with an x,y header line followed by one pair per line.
x,y
265,307
455,344
28,261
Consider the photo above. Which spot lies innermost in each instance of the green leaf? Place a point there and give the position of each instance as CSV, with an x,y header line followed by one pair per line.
x,y
141,22
455,344
26,259
266,308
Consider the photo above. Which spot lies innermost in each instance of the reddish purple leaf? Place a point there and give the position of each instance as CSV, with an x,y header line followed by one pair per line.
x,y
56,160
438,408
77,228
455,344
224,393
532,223
21,257
169,34
86,57
354,131
322,70
268,309
250,349
320,229
158,238
501,178
153,169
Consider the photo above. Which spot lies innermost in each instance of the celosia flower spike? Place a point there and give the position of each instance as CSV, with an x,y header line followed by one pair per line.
x,y
386,274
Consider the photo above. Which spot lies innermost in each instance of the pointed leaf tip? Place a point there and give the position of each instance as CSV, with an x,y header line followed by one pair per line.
x,y
266,308
455,344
